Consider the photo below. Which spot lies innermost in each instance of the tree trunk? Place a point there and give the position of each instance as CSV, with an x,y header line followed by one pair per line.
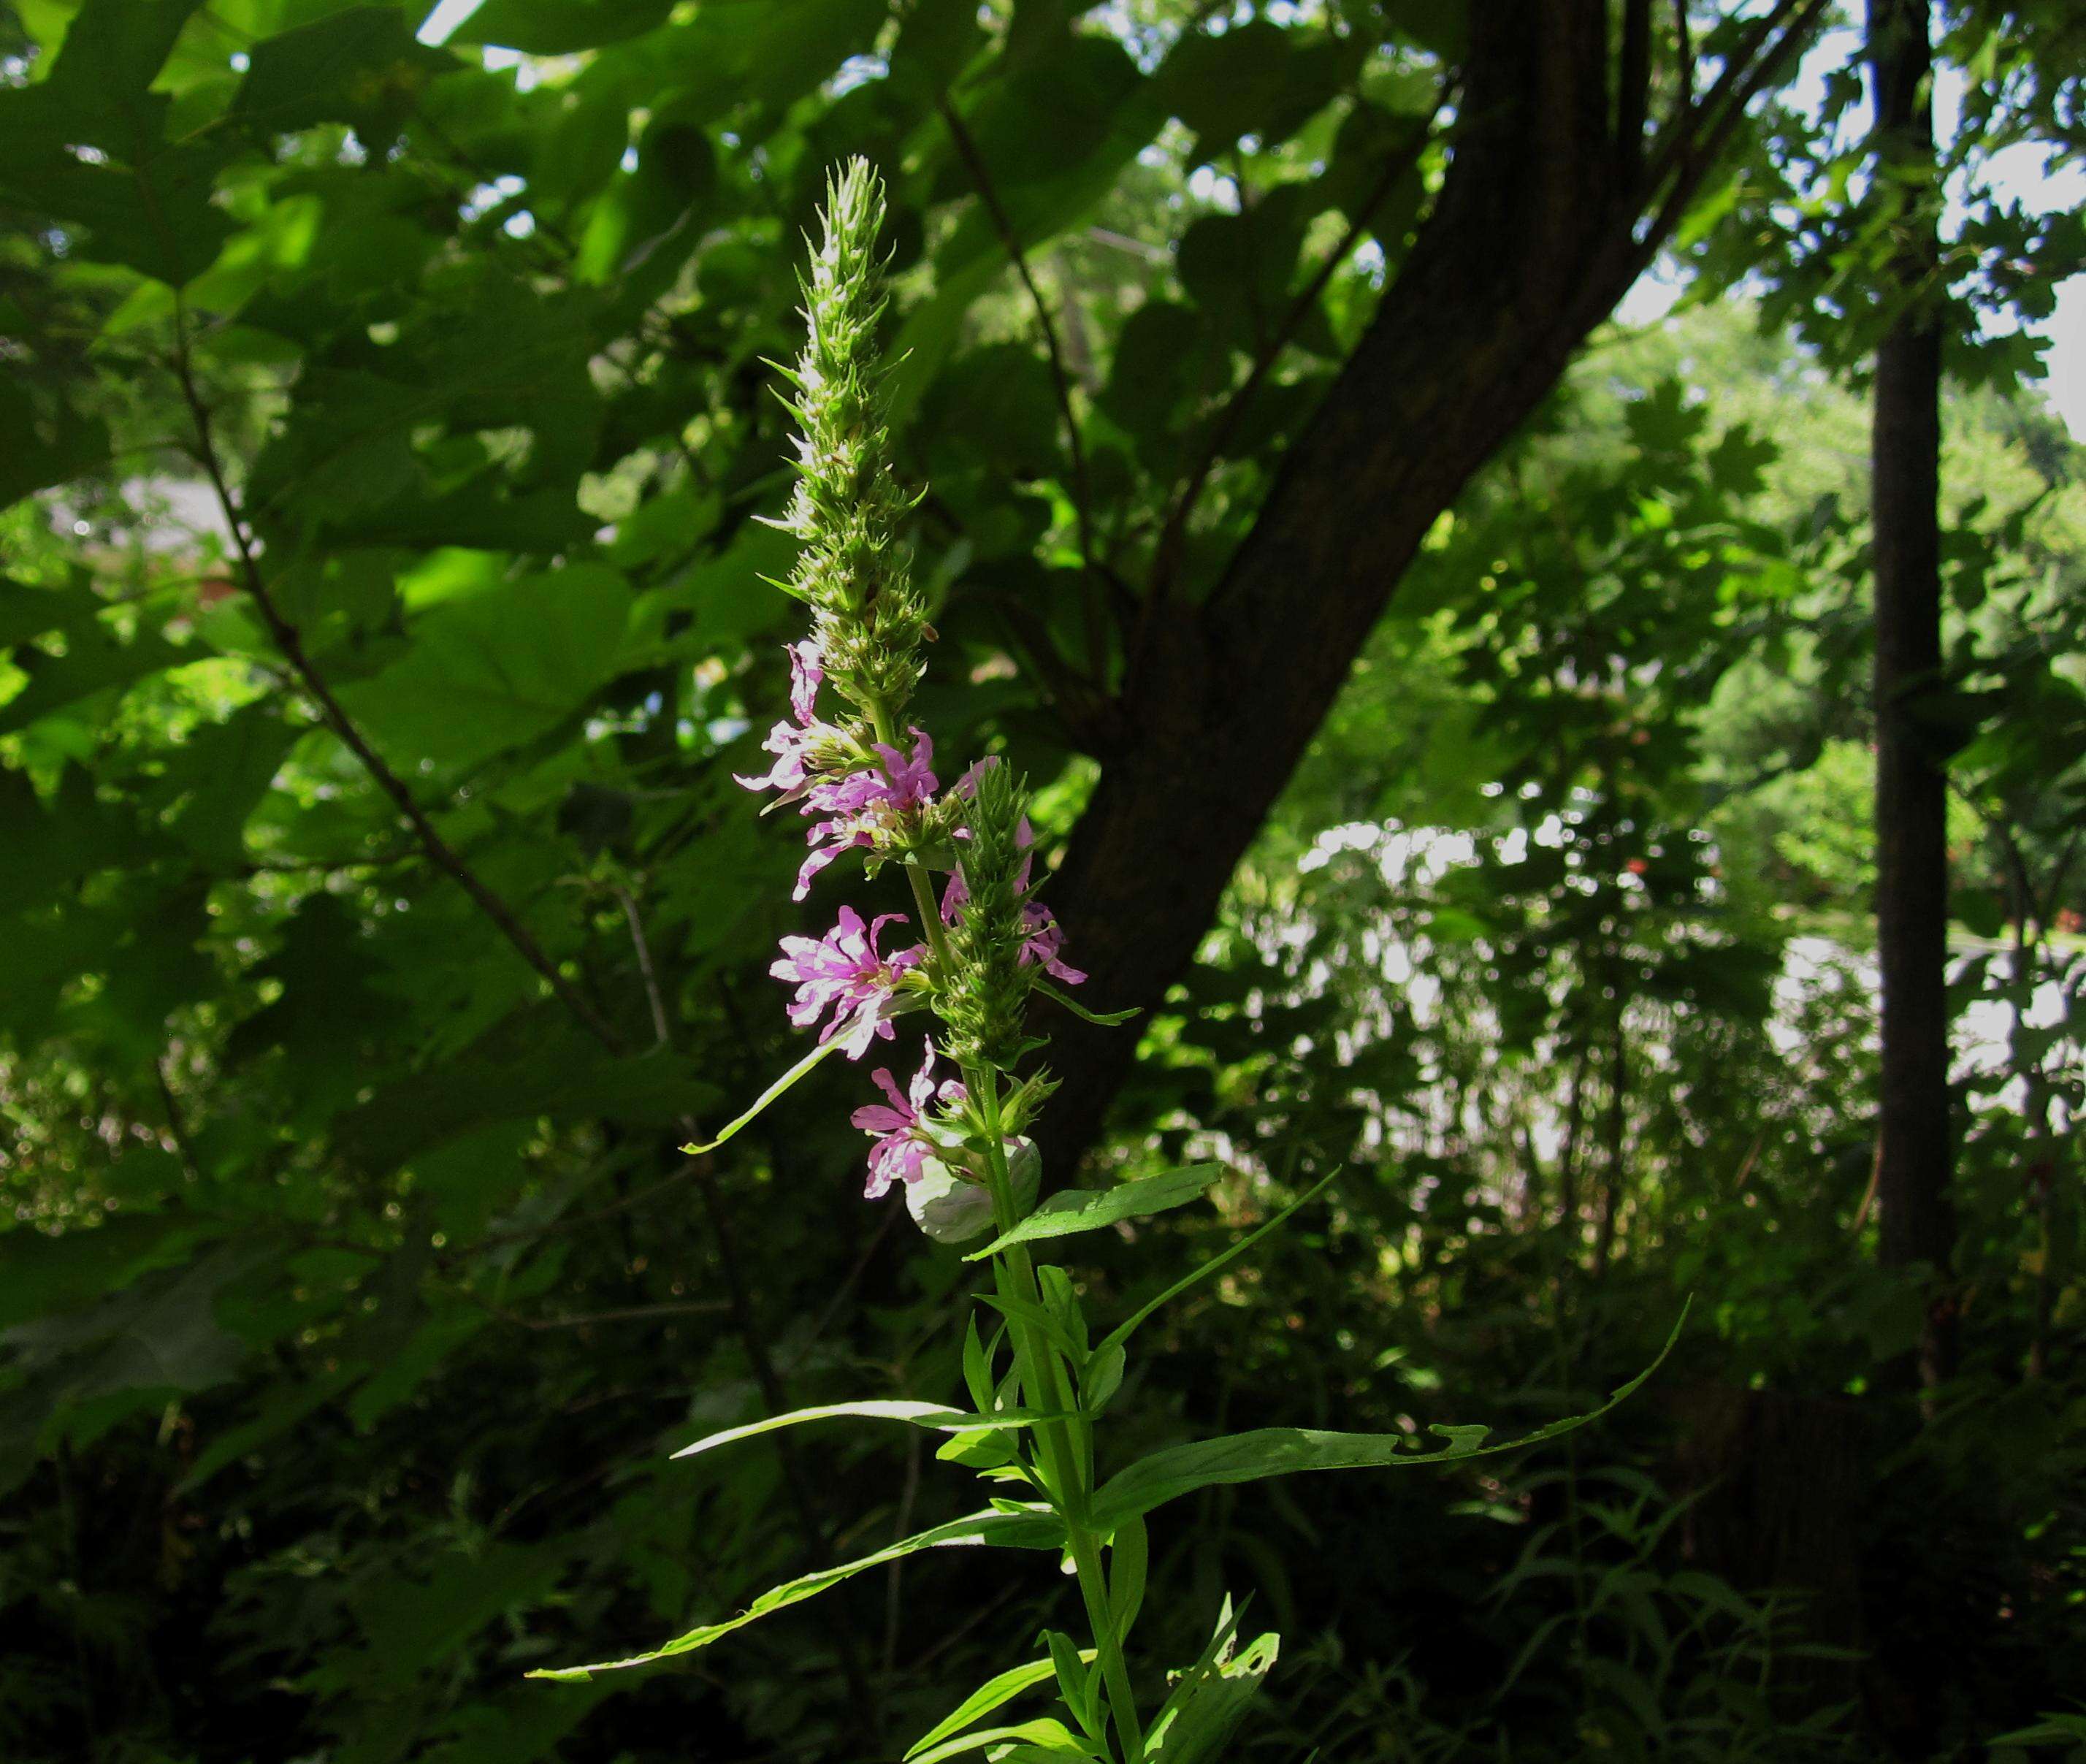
x,y
1914,1159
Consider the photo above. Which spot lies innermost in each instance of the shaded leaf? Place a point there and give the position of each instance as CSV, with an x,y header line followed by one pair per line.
x,y
937,1417
1025,1529
1273,1451
1089,1209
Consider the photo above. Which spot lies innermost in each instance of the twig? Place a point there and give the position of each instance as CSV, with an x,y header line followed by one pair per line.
x,y
629,1203
1136,248
661,1030
846,1289
286,639
1081,706
1869,1193
1060,377
704,1307
949,1638
894,1581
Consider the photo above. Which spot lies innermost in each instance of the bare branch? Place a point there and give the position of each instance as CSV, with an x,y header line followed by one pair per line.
x,y
661,1029
694,1307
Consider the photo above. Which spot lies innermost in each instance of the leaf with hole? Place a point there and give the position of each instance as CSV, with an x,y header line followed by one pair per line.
x,y
994,1694
1274,1451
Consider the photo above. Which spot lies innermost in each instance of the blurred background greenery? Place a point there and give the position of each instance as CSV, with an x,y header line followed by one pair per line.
x,y
385,415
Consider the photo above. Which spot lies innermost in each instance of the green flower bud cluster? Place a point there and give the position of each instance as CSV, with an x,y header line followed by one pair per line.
x,y
848,509
985,990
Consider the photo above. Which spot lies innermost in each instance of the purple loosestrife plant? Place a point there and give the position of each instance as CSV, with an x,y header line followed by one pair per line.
x,y
979,947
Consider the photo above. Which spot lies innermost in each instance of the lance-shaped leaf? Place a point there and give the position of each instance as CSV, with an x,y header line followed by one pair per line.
x,y
939,1416
1104,1019
788,1081
1008,1528
994,1694
1211,1696
1274,1451
1046,1736
1088,1209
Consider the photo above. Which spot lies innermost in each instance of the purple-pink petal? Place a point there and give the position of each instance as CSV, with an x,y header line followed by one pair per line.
x,y
905,1107
806,673
818,857
844,973
873,1117
902,1146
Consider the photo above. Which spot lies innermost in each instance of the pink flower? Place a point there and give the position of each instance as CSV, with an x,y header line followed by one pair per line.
x,y
902,1146
1046,938
844,973
791,742
866,809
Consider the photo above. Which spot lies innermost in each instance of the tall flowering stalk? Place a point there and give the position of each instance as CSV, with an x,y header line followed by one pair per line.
x,y
954,1136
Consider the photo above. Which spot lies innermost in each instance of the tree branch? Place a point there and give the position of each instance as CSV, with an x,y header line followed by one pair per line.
x,y
1684,65
1699,130
1633,88
1166,560
1688,158
1061,378
662,1027
739,1301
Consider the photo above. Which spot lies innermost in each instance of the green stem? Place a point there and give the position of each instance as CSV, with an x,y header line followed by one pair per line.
x,y
916,871
1064,1464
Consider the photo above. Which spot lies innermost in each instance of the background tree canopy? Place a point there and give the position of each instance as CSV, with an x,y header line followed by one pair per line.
x,y
1451,711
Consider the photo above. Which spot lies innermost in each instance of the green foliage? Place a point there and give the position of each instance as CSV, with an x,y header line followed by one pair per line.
x,y
1077,1210
1166,1475
1001,1528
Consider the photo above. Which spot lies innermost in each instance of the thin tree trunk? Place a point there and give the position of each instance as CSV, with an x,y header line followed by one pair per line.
x,y
1618,1121
2029,1069
1914,1157
1568,1161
